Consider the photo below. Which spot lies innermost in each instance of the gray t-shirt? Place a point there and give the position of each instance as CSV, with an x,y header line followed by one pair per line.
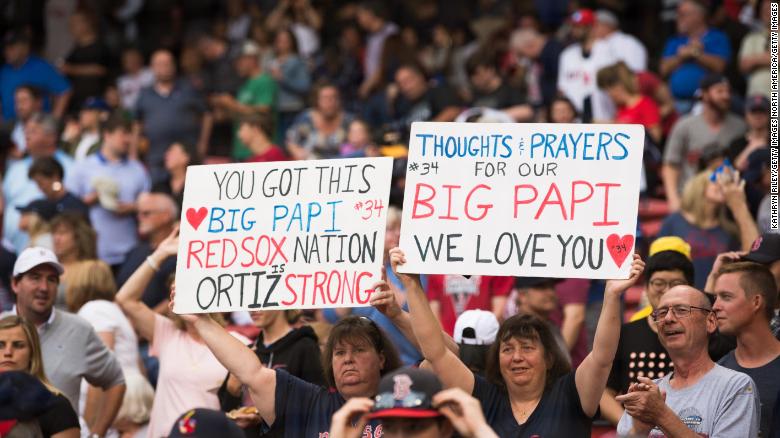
x,y
767,380
723,403
691,135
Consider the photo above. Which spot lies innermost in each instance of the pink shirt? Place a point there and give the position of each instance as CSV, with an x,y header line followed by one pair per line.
x,y
189,378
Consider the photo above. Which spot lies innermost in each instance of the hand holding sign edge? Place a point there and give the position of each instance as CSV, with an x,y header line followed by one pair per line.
x,y
618,286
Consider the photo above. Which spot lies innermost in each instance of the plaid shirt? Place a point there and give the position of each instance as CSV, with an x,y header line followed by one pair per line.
x,y
775,324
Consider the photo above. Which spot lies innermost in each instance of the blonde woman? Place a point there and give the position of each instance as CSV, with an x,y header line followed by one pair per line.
x,y
190,375
704,223
132,420
21,351
90,294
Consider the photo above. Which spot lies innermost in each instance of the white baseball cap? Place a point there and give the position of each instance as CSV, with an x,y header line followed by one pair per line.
x,y
484,324
36,256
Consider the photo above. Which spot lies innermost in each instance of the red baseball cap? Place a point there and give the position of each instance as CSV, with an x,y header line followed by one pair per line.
x,y
583,17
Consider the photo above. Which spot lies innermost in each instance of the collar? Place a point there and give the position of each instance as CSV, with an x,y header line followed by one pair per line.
x,y
102,158
43,327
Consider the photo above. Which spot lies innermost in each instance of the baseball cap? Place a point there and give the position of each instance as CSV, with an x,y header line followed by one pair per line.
x,y
765,249
670,243
22,396
36,256
757,161
582,17
249,48
607,17
528,282
476,327
95,103
42,207
205,423
757,103
406,393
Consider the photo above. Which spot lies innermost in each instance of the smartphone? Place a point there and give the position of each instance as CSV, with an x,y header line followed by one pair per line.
x,y
726,165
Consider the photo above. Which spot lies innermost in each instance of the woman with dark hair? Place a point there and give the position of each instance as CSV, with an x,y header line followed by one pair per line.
x,y
177,158
356,356
74,241
21,351
320,131
291,73
529,388
562,110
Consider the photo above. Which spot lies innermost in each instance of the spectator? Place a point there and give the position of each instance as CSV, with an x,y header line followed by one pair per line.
x,y
696,52
302,19
157,217
577,69
525,363
90,294
48,173
692,133
703,221
136,77
204,423
81,137
766,251
492,91
237,22
255,130
75,241
536,296
640,353
279,346
342,65
22,353
358,353
419,101
257,95
22,68
620,84
177,158
291,73
543,53
624,47
87,64
18,188
475,331
359,143
109,182
570,316
562,111
373,18
220,75
724,402
451,295
437,413
71,350
189,374
754,59
132,421
320,131
169,111
746,299
34,221
28,101
757,135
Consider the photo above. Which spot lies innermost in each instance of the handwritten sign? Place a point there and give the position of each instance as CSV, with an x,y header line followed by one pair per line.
x,y
283,235
547,200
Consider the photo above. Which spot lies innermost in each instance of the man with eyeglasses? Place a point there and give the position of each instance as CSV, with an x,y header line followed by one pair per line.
x,y
640,353
746,296
699,398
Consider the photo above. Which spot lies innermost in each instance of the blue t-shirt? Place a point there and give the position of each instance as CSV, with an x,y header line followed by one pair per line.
x,y
558,414
305,409
705,244
684,80
35,72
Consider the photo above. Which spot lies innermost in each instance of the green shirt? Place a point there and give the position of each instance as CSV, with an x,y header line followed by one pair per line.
x,y
259,90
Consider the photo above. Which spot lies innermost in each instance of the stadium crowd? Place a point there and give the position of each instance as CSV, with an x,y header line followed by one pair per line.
x,y
106,103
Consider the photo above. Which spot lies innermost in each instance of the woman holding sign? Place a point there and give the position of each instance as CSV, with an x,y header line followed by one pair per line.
x,y
529,389
356,356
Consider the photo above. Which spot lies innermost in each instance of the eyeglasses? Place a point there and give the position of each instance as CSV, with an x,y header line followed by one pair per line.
x,y
659,284
414,399
147,213
679,311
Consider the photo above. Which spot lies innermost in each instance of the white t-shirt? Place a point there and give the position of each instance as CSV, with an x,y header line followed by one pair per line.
x,y
628,49
577,78
129,86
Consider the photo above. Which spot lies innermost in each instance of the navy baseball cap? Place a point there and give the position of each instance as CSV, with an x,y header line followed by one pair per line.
x,y
205,423
407,393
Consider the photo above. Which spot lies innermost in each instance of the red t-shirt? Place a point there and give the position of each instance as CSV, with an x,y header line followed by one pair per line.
x,y
573,291
457,294
272,154
645,112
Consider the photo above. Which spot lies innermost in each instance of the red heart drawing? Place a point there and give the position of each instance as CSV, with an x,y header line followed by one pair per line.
x,y
195,217
620,247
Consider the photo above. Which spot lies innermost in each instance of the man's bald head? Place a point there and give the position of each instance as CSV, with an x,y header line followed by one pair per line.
x,y
157,212
684,294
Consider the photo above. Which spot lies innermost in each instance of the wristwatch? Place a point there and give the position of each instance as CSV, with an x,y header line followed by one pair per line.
x,y
94,435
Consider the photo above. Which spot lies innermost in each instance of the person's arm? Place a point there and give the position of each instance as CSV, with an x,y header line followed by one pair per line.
x,y
591,376
206,124
61,104
129,296
573,320
448,114
670,64
520,113
68,433
733,188
749,63
135,141
103,370
611,410
646,404
95,396
111,401
276,20
449,368
464,412
670,173
497,306
84,69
